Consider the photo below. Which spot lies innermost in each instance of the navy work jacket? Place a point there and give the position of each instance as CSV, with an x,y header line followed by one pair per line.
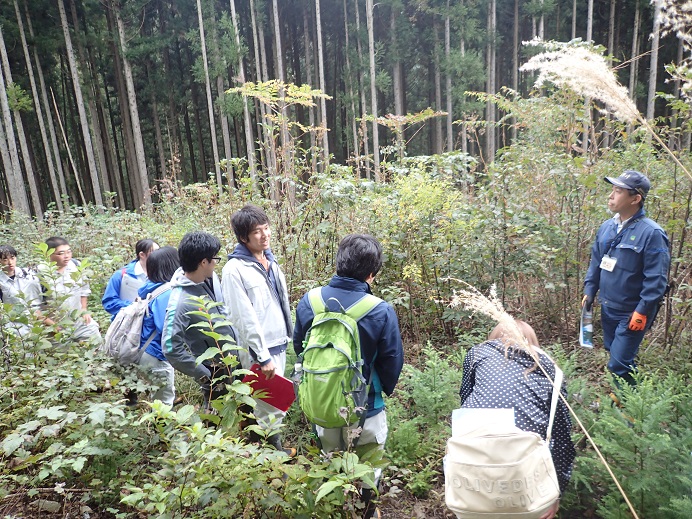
x,y
640,276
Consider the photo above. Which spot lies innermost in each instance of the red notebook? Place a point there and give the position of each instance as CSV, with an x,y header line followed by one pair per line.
x,y
278,391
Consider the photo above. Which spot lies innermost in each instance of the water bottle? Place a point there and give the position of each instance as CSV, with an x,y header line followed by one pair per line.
x,y
586,331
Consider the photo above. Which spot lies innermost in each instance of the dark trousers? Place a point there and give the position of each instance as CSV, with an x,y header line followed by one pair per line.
x,y
621,342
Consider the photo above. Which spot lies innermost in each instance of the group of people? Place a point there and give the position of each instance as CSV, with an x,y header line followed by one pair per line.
x,y
33,291
629,266
253,295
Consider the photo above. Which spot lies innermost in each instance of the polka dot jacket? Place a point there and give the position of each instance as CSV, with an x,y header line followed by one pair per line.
x,y
491,380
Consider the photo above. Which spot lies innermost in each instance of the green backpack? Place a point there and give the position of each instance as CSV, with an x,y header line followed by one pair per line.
x,y
333,392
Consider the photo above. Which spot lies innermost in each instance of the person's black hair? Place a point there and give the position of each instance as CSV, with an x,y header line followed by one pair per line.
x,y
7,251
246,219
196,246
634,192
359,255
162,264
56,241
145,245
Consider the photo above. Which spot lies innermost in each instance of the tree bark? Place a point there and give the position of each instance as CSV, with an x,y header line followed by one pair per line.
x,y
541,23
142,174
653,66
49,118
262,130
69,153
134,186
397,70
286,153
323,102
515,62
369,8
39,111
587,102
634,61
247,120
89,149
674,139
13,173
110,147
491,84
308,70
23,146
210,101
363,101
219,65
349,82
177,150
611,30
437,141
92,91
157,125
448,80
464,130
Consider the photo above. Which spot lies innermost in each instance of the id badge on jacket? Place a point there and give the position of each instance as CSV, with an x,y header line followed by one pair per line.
x,y
608,263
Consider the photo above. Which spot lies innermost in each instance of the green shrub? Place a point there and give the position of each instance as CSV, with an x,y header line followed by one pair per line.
x,y
418,417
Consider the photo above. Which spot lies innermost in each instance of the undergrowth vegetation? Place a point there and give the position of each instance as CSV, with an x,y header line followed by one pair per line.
x,y
525,224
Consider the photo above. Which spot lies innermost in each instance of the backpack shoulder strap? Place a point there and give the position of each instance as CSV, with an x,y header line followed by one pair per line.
x,y
316,301
363,307
160,290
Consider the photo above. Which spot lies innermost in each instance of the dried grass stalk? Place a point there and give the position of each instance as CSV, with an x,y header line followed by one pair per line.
x,y
473,300
576,66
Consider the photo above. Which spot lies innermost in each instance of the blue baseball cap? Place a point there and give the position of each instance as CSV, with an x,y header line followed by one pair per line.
x,y
632,180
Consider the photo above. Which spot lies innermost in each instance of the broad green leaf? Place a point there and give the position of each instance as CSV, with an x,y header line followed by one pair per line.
x,y
184,413
98,416
29,426
326,489
213,335
209,354
12,443
78,464
52,413
241,389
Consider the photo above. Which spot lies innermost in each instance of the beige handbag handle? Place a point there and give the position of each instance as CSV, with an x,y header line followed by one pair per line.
x,y
557,385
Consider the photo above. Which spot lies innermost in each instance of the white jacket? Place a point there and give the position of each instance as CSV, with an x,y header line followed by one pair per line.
x,y
262,319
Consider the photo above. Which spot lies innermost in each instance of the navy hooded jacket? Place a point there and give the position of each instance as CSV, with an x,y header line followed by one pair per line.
x,y
380,338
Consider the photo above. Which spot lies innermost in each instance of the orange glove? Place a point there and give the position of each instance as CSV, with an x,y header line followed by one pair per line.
x,y
637,322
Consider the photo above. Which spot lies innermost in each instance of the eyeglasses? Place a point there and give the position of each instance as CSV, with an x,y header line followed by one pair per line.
x,y
217,259
63,252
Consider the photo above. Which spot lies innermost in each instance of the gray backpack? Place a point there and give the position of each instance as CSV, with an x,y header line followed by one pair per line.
x,y
124,334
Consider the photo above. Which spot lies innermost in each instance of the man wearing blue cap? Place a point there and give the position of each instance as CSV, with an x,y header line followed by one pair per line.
x,y
629,267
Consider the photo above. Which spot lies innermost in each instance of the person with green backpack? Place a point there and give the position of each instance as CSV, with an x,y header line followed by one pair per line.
x,y
349,345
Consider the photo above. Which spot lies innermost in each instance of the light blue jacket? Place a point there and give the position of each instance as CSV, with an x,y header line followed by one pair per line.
x,y
638,280
153,322
122,289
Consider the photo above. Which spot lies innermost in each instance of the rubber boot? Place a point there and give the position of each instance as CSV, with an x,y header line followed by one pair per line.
x,y
275,441
131,396
366,496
